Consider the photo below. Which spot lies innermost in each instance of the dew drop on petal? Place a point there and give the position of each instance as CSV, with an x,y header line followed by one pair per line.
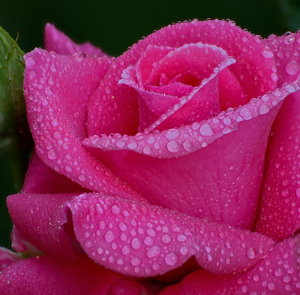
x,y
136,243
173,146
52,155
109,236
206,130
267,53
292,67
251,253
172,134
125,250
171,259
153,251
135,261
115,210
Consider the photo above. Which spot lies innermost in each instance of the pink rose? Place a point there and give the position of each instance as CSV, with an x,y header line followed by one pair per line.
x,y
156,163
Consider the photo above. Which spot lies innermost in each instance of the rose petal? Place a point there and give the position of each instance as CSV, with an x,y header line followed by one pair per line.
x,y
40,179
7,258
57,90
143,240
205,61
20,244
279,214
39,218
250,61
286,51
277,274
58,42
200,190
45,275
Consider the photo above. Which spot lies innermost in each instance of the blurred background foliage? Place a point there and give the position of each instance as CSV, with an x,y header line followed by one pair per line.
x,y
115,25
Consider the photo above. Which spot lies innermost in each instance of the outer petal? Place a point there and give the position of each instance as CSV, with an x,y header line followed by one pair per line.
x,y
280,206
279,214
40,179
285,50
7,258
57,91
45,275
40,220
227,194
58,42
277,274
143,240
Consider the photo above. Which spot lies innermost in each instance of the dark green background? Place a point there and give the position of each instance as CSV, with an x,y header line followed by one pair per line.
x,y
114,25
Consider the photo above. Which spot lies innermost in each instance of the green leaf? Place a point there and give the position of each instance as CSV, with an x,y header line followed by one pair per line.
x,y
15,137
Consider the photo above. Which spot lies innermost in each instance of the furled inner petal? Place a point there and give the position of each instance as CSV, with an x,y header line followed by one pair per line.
x,y
58,42
114,107
139,239
182,85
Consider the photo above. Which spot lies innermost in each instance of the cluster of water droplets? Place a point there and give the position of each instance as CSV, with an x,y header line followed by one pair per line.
x,y
186,139
144,240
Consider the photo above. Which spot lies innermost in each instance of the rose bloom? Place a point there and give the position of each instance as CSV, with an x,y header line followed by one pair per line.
x,y
172,169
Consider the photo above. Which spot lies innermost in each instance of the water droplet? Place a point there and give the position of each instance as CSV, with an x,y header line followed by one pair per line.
x,y
171,259
147,150
182,238
246,114
115,210
292,67
120,261
123,226
136,243
88,244
52,155
81,177
151,232
184,250
135,261
172,134
153,251
271,286
30,62
125,250
206,130
289,38
263,109
148,241
166,239
48,91
267,53
109,236
54,123
187,146
173,146
251,253
132,145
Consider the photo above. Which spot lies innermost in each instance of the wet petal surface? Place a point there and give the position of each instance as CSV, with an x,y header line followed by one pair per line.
x,y
57,91
143,240
45,275
277,274
58,42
